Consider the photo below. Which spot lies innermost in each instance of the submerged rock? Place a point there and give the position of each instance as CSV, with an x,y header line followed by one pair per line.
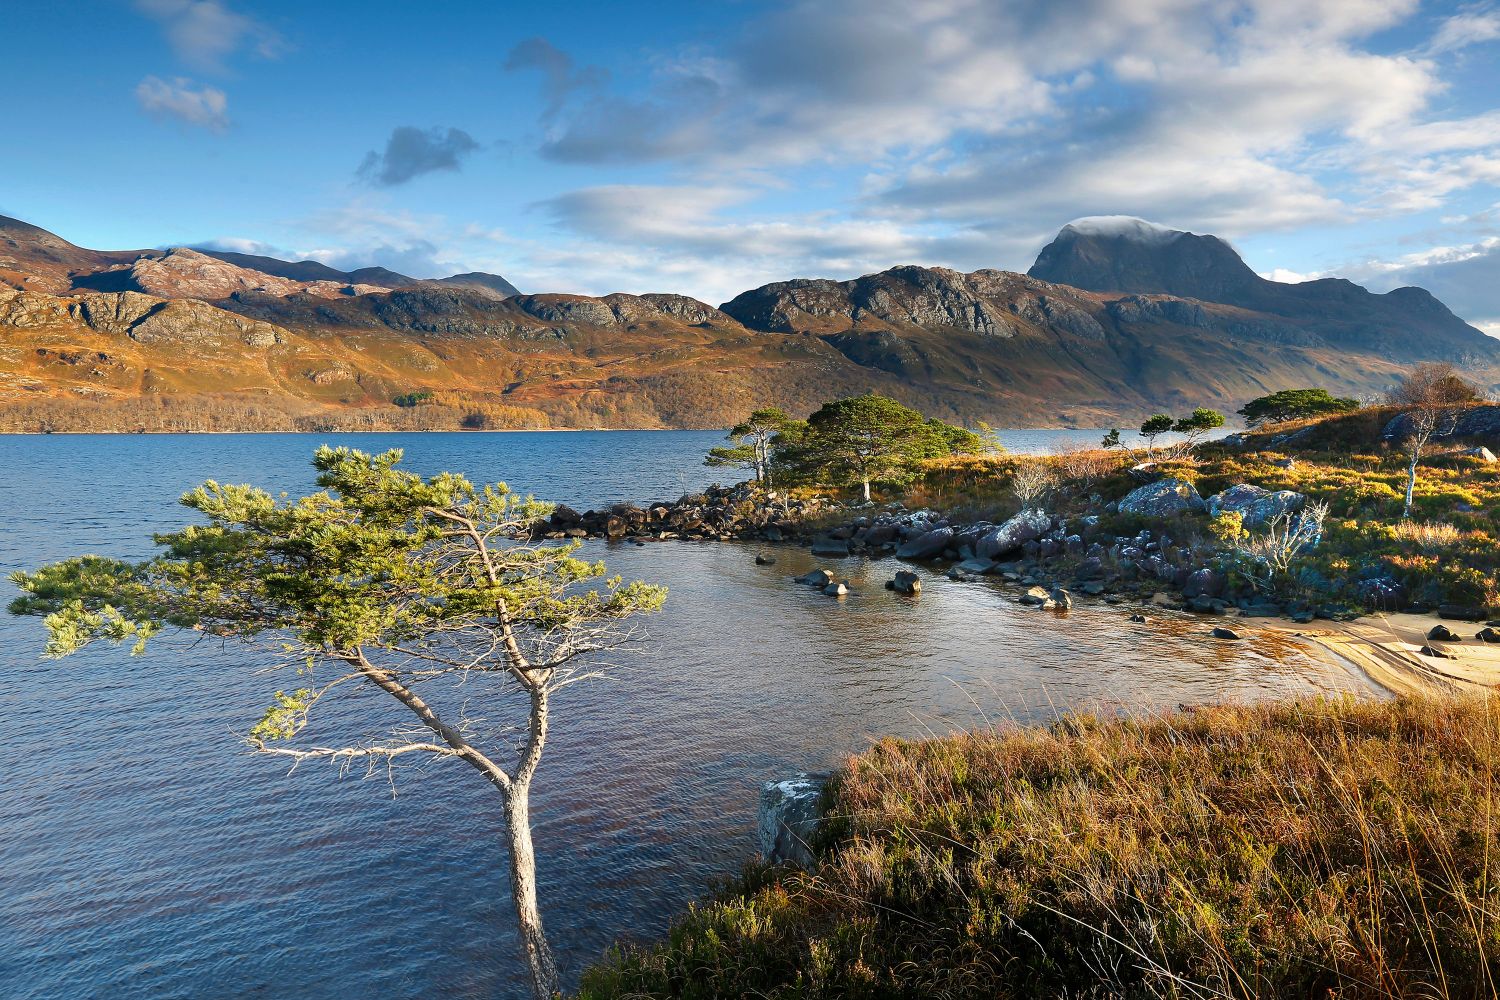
x,y
819,578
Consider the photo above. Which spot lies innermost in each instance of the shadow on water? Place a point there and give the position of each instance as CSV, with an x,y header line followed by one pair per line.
x,y
148,856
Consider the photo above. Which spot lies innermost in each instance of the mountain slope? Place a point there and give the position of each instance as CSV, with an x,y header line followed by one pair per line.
x,y
1009,348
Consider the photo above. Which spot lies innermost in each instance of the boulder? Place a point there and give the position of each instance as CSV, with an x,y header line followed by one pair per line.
x,y
1480,454
788,817
1462,613
819,578
1092,587
764,560
1443,633
976,566
1488,634
1061,598
1436,653
836,589
1225,633
905,582
1255,505
1027,526
927,545
1036,595
830,547
1204,582
1139,618
1163,498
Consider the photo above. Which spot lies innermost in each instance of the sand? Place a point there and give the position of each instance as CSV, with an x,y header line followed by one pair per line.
x,y
1386,649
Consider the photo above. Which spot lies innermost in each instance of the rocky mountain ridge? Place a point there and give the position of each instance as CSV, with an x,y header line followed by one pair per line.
x,y
1009,348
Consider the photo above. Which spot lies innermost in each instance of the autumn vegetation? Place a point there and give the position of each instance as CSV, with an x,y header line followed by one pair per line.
x,y
1315,848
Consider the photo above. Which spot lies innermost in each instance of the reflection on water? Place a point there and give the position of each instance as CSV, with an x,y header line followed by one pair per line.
x,y
147,856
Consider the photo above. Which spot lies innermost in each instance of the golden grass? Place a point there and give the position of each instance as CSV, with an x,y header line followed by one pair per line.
x,y
1329,848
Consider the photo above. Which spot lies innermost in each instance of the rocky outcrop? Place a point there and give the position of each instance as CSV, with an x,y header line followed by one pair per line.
x,y
1255,505
1163,498
142,318
717,513
619,309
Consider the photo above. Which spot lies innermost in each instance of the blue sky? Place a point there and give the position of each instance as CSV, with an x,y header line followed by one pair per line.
x,y
710,147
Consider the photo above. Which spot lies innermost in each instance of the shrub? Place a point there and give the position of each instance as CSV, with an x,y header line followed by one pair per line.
x,y
413,398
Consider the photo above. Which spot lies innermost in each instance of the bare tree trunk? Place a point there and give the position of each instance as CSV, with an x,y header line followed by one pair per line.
x,y
1411,483
544,983
866,484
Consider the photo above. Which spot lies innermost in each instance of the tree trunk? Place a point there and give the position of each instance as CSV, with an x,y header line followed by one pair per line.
x,y
523,890
1411,484
866,484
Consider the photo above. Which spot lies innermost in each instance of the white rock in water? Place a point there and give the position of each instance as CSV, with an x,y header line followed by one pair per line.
x,y
788,817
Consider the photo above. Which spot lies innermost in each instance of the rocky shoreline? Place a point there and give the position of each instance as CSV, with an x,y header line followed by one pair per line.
x,y
1058,558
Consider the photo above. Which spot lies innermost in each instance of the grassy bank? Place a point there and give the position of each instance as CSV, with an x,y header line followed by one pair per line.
x,y
1313,848
1447,552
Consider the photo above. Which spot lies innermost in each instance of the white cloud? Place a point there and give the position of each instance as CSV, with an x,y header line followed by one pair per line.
x,y
204,33
204,107
985,125
1470,27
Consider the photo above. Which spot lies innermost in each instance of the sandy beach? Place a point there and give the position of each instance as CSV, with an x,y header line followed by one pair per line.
x,y
1387,649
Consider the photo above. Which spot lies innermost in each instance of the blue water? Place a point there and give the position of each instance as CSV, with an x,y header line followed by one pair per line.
x,y
146,854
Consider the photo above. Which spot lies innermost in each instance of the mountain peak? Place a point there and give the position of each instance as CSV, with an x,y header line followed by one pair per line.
x,y
1118,253
1126,227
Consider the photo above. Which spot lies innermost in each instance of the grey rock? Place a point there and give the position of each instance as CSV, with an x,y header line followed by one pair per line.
x,y
836,589
831,547
1488,634
905,582
765,560
1225,633
1443,633
819,578
926,545
788,817
1163,498
1256,506
1027,526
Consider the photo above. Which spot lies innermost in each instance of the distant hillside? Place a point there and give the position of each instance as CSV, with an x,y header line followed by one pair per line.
x,y
1137,330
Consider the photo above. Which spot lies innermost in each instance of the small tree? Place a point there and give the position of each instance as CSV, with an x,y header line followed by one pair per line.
x,y
863,438
752,443
1193,427
1433,384
388,582
1434,393
1153,428
1295,404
